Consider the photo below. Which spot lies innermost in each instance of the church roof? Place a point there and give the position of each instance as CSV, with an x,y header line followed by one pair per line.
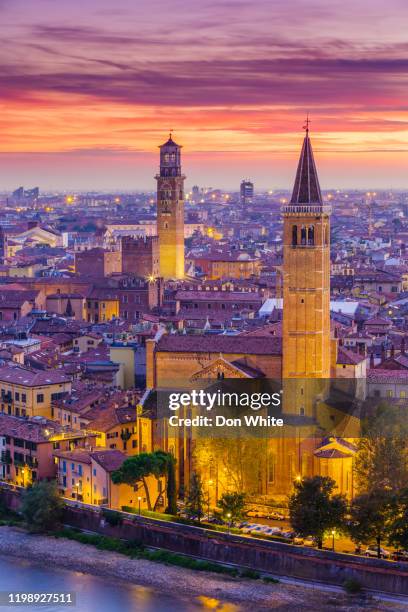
x,y
306,189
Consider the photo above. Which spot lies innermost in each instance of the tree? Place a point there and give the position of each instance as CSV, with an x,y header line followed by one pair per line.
x,y
195,497
232,504
139,467
382,456
371,515
398,528
171,486
42,506
313,509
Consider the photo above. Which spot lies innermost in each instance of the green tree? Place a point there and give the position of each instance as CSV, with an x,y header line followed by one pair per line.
x,y
195,497
171,487
139,467
42,506
313,509
382,456
371,516
398,527
233,504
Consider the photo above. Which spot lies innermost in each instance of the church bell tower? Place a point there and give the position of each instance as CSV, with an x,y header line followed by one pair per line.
x,y
170,211
306,275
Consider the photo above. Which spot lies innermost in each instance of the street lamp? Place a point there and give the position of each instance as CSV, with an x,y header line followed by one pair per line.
x,y
333,534
139,500
229,522
22,473
77,490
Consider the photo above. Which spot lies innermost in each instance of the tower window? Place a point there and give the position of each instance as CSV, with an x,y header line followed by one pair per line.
x,y
294,235
303,232
310,236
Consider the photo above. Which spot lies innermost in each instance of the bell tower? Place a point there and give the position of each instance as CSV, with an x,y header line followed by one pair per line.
x,y
170,211
306,275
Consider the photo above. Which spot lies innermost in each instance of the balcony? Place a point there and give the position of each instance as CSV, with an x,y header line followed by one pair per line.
x,y
307,209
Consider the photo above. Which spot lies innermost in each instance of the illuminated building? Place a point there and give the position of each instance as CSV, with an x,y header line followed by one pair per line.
x,y
170,211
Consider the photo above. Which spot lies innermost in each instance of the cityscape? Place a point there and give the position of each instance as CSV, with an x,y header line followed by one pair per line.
x,y
203,308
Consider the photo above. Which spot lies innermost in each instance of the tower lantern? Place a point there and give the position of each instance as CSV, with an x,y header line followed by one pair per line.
x,y
170,211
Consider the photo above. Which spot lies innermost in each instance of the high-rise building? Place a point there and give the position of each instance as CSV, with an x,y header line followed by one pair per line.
x,y
246,192
170,211
306,275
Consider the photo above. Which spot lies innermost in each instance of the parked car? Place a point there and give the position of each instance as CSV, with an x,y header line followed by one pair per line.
x,y
309,541
400,555
298,539
276,516
290,535
371,551
272,531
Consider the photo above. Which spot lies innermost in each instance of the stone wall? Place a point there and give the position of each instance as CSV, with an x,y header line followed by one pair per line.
x,y
271,557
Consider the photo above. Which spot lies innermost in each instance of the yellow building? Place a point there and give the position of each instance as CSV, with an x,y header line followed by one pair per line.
x,y
85,475
124,355
123,429
30,393
101,305
170,211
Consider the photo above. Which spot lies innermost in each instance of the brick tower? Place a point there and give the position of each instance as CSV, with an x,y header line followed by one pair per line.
x,y
306,275
170,211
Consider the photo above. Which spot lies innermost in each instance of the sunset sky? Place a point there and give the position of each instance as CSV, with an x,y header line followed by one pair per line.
x,y
90,88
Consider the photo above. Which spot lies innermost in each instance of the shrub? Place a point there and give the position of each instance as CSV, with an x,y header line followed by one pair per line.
x,y
112,517
250,573
352,586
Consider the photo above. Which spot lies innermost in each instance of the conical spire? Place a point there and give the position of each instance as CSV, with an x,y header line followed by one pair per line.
x,y
306,189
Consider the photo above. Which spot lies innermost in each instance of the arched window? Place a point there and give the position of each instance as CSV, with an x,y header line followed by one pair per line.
x,y
294,235
310,235
303,232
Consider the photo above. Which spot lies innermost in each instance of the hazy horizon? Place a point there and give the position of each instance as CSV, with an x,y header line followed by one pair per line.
x,y
90,88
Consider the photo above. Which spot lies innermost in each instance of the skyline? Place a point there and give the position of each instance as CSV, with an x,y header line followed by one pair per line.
x,y
86,106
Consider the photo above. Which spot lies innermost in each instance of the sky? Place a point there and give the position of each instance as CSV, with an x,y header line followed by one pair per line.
x,y
90,88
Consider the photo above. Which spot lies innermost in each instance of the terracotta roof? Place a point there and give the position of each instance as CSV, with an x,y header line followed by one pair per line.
x,y
110,460
81,456
34,431
377,375
31,378
219,296
348,357
220,344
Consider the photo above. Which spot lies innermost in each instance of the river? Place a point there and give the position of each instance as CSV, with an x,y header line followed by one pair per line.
x,y
92,593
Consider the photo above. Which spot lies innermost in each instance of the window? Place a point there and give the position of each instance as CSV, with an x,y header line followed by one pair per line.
x,y
310,236
17,395
294,235
94,471
303,236
40,398
23,397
